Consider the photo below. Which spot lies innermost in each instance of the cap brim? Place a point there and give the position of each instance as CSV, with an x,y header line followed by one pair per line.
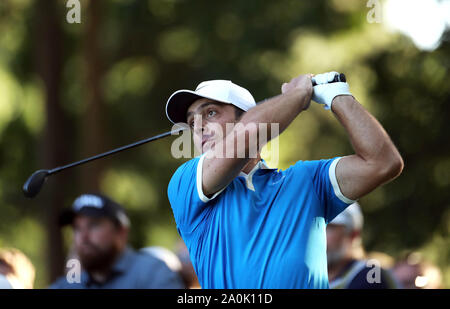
x,y
67,216
179,102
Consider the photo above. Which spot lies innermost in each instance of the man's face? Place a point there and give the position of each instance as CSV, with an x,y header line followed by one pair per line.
x,y
206,118
407,275
98,241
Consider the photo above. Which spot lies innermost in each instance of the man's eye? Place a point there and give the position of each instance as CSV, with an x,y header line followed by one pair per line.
x,y
211,113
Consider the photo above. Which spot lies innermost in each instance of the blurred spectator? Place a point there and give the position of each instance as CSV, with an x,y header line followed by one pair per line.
x,y
16,270
347,269
164,255
101,228
414,273
179,262
385,260
171,259
187,269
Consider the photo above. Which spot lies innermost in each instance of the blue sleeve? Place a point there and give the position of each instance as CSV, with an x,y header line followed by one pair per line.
x,y
324,181
184,199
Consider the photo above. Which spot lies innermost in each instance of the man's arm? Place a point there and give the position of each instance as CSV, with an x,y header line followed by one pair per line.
x,y
376,159
218,172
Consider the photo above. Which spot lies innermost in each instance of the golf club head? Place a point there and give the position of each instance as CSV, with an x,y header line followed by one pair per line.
x,y
34,183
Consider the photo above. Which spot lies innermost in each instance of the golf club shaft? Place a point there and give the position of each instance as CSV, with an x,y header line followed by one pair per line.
x,y
338,78
111,152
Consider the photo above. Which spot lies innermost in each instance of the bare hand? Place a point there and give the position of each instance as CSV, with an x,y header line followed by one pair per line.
x,y
302,85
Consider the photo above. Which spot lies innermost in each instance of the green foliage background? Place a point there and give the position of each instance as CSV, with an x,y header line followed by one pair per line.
x,y
152,48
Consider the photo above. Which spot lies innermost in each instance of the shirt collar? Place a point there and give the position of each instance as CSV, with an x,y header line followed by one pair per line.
x,y
260,165
124,262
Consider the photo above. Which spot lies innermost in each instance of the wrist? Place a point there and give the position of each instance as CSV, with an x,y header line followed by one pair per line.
x,y
341,101
303,97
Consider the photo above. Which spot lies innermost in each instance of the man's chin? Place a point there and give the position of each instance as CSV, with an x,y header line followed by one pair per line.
x,y
99,260
207,146
335,256
205,149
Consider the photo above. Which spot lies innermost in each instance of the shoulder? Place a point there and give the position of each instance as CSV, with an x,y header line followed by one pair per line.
x,y
183,181
149,262
192,163
59,283
315,164
155,273
373,278
147,259
313,168
188,168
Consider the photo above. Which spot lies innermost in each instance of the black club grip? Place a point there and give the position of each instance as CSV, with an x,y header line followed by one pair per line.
x,y
339,77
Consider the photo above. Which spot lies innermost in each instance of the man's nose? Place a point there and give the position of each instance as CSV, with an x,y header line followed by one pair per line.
x,y
199,125
82,235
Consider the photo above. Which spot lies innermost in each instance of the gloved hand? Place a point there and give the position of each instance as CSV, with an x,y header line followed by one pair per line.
x,y
324,92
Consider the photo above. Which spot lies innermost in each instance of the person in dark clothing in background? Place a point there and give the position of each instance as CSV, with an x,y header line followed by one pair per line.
x,y
100,228
346,267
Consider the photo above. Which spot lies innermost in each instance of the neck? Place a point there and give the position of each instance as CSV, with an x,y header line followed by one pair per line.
x,y
251,164
101,274
335,269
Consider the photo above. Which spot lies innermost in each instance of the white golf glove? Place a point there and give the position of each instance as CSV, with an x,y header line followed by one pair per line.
x,y
324,92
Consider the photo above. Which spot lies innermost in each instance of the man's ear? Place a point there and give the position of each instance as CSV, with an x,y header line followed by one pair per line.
x,y
238,113
123,232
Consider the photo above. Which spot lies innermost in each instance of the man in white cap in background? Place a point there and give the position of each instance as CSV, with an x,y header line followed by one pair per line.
x,y
346,267
247,225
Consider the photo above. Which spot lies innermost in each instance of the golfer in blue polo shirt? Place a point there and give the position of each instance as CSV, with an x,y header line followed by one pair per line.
x,y
250,226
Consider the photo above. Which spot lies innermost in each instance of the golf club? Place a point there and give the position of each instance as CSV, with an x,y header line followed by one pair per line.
x,y
35,182
339,77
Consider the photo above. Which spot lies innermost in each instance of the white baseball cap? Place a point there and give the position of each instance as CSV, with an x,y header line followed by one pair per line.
x,y
351,217
223,91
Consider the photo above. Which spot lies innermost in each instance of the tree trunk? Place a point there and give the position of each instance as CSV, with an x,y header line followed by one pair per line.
x,y
93,131
53,147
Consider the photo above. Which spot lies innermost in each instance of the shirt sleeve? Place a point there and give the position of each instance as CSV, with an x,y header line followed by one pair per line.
x,y
189,204
323,174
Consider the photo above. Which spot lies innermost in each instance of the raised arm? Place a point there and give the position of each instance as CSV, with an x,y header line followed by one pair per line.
x,y
376,159
219,172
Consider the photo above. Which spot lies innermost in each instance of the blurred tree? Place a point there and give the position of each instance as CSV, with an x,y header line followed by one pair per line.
x,y
54,145
93,137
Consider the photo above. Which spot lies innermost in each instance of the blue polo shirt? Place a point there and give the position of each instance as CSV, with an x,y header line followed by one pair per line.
x,y
264,230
